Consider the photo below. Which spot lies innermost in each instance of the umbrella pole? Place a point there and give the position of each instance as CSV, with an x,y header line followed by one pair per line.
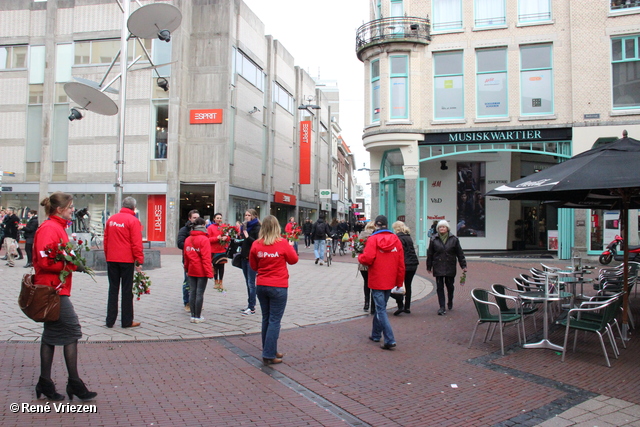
x,y
624,217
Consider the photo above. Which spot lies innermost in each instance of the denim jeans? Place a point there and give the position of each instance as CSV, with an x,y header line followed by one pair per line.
x,y
185,290
318,248
197,287
273,301
381,323
250,279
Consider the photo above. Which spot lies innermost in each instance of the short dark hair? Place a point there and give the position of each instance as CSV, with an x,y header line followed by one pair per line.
x,y
191,212
381,221
199,221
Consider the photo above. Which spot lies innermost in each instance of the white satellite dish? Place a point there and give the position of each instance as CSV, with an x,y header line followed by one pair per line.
x,y
91,99
147,21
96,85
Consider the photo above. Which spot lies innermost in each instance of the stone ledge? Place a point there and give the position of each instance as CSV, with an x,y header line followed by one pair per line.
x,y
96,260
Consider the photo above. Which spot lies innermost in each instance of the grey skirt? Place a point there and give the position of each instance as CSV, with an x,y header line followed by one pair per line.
x,y
65,330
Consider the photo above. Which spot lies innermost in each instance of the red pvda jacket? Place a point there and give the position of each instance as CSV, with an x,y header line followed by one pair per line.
x,y
214,232
51,233
384,255
123,238
197,255
270,262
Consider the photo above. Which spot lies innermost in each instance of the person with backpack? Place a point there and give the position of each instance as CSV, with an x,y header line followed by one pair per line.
x,y
319,234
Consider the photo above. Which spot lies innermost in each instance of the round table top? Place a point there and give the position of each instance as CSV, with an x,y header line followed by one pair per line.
x,y
541,296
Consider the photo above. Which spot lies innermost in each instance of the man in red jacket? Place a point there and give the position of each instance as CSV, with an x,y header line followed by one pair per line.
x,y
123,252
384,255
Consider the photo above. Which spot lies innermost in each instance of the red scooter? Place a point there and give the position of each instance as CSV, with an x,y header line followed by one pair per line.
x,y
611,252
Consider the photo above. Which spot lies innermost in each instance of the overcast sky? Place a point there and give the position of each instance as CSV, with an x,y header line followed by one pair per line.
x,y
321,36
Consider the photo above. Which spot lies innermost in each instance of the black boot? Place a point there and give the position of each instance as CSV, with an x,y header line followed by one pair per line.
x,y
48,388
77,387
366,306
400,308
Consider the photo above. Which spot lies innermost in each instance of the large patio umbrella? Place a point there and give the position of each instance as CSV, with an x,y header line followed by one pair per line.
x,y
606,177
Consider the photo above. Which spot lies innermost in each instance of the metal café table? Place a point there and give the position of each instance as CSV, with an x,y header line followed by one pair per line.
x,y
572,278
545,298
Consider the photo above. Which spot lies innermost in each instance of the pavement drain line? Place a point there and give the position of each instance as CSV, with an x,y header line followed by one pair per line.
x,y
573,395
295,386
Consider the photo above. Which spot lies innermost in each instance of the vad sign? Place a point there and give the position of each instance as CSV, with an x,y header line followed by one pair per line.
x,y
436,200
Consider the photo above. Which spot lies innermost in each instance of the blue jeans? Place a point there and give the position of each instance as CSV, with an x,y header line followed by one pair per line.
x,y
250,278
185,289
381,323
318,248
273,301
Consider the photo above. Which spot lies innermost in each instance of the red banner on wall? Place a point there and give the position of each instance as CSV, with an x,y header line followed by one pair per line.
x,y
156,217
305,152
284,198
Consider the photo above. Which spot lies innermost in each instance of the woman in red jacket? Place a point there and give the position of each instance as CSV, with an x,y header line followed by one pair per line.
x,y
66,330
219,244
197,264
269,257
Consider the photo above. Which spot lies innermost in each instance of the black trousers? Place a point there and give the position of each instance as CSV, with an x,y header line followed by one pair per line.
x,y
120,273
405,300
441,282
28,248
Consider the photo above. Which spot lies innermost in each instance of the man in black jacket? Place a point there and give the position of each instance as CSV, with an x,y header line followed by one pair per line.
x,y
183,233
319,233
10,225
29,233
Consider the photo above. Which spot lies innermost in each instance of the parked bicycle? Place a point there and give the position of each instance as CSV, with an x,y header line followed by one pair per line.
x,y
328,251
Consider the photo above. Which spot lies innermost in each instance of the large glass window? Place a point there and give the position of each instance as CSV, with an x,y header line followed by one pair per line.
x,y
449,85
625,70
491,82
396,8
36,65
283,98
249,70
447,15
399,77
161,55
103,51
375,91
489,13
12,57
161,110
625,4
534,10
536,79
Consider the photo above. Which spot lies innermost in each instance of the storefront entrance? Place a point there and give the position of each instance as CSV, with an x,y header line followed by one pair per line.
x,y
196,196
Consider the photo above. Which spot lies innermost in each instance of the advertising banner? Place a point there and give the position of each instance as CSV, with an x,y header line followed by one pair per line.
x,y
156,217
305,152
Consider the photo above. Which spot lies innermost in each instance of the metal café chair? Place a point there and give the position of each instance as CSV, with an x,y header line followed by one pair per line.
x,y
489,312
596,317
524,309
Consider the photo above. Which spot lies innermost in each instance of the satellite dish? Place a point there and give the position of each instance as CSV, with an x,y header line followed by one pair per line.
x,y
96,85
91,99
147,21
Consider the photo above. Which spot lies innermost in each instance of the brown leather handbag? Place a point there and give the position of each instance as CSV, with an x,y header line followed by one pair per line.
x,y
40,303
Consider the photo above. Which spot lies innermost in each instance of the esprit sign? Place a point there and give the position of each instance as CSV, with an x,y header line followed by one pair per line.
x,y
305,152
284,198
205,116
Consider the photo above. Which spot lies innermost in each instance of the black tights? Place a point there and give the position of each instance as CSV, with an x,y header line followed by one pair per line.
x,y
70,358
218,271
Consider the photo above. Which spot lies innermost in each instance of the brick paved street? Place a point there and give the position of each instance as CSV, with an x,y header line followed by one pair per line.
x,y
171,372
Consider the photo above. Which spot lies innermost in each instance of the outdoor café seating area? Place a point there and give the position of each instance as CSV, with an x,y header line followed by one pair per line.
x,y
565,309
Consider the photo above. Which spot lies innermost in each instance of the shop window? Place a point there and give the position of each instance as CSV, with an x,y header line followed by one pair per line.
x,y
491,83
489,13
625,4
375,91
449,85
536,80
398,83
249,70
625,70
161,110
447,15
531,11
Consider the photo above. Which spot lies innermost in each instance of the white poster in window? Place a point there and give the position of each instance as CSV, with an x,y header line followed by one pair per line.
x,y
449,99
492,95
552,240
536,92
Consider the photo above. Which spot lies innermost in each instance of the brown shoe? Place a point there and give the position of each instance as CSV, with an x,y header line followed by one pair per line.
x,y
187,307
279,355
267,362
133,325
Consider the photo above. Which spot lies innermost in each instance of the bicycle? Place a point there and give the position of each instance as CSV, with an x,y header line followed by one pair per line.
x,y
96,238
343,248
328,251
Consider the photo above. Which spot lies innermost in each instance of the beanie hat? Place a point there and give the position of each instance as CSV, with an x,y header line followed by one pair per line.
x,y
381,221
445,223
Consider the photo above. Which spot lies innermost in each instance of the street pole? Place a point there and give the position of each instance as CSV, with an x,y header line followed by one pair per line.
x,y
124,55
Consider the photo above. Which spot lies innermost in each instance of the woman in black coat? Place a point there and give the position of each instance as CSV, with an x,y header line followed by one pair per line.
x,y
411,265
444,250
29,233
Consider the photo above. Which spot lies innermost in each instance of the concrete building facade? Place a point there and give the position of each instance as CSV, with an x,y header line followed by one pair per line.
x,y
225,137
462,96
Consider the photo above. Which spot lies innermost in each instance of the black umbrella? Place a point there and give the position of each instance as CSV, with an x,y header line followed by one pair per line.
x,y
606,177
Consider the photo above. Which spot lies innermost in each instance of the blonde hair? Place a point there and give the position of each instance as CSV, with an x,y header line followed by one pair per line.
x,y
253,213
400,227
370,226
270,230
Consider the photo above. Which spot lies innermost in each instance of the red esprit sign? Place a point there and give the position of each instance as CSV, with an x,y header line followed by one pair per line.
x,y
305,152
156,214
284,198
205,116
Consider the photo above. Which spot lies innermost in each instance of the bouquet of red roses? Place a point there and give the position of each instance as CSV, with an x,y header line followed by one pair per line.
x,y
228,230
293,235
69,253
141,284
357,245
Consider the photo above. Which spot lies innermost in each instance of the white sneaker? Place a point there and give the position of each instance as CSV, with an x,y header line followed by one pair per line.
x,y
198,320
193,320
248,312
242,310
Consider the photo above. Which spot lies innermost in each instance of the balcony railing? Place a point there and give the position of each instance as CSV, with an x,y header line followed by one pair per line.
x,y
389,30
624,4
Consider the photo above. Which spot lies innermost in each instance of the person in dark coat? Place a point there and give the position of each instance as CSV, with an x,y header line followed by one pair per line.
x,y
410,264
307,227
444,250
10,225
183,233
29,231
251,232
